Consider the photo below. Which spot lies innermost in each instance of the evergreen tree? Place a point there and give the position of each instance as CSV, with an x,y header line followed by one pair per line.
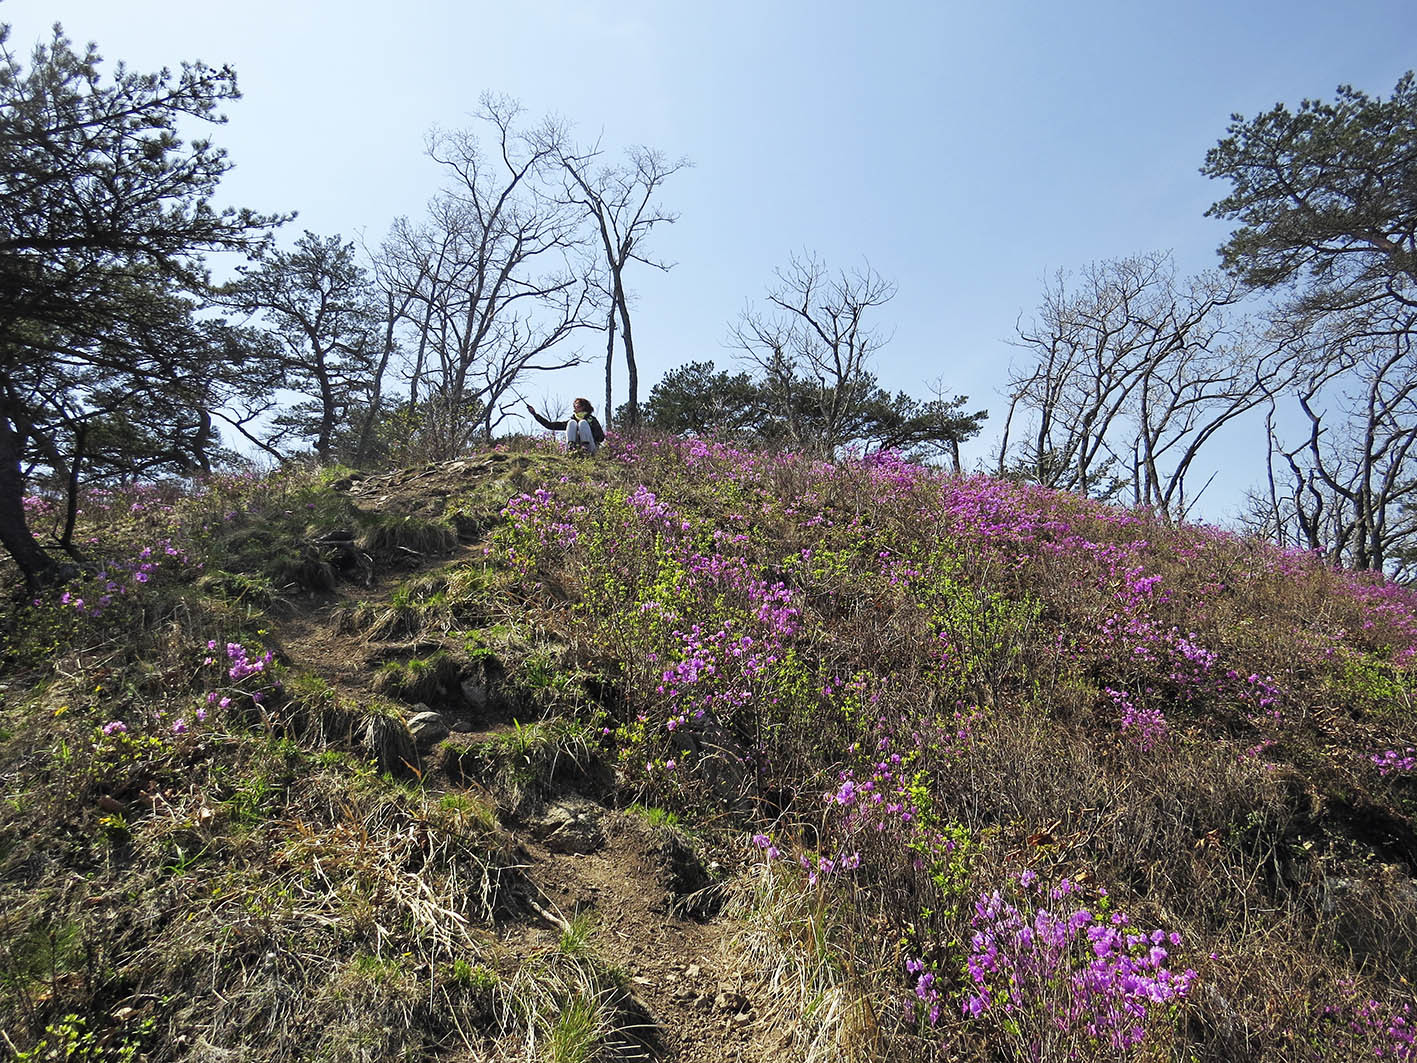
x,y
104,214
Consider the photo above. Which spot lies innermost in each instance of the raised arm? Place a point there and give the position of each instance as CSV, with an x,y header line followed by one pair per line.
x,y
555,426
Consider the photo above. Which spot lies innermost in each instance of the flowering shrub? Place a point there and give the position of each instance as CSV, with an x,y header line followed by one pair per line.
x,y
238,678
1145,726
235,678
1377,1029
1390,760
119,579
1049,966
542,516
898,683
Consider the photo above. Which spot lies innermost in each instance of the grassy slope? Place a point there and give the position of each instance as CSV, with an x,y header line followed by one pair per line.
x,y
983,736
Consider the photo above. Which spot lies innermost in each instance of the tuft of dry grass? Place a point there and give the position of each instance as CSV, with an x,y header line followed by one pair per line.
x,y
390,536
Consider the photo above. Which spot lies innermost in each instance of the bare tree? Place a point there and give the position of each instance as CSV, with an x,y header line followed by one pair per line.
x,y
397,281
1128,376
813,347
1348,485
492,281
618,198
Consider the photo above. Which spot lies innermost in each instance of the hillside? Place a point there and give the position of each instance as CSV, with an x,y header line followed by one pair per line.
x,y
692,753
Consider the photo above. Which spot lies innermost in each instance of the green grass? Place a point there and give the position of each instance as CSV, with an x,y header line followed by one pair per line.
x,y
654,816
577,1032
577,940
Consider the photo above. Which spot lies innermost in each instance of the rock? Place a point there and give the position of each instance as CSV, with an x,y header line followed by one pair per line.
x,y
730,1000
1374,918
1221,1015
428,727
474,689
722,760
683,873
481,684
571,825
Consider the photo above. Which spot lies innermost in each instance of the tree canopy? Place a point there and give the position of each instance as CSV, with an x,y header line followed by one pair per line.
x,y
1326,201
1326,197
694,399
105,213
322,311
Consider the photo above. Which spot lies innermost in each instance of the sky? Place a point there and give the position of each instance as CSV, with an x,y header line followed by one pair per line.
x,y
966,151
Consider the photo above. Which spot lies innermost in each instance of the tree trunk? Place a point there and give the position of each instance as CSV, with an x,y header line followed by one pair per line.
x,y
632,372
376,395
609,365
71,507
202,441
417,375
36,566
327,409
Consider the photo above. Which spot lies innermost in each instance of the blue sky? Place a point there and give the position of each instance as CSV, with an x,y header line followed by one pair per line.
x,y
966,150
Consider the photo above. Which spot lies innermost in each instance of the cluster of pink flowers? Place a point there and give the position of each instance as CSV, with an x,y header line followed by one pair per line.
x,y
1390,760
653,511
118,579
542,515
1075,970
819,867
241,664
1391,1023
238,666
1387,1030
37,506
1146,726
1391,605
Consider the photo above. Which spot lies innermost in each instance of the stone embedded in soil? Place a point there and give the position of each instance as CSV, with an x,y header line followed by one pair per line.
x,y
571,825
428,727
721,758
387,738
731,1000
475,691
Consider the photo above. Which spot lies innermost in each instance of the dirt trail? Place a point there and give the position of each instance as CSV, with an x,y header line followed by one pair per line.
x,y
694,1004
700,1007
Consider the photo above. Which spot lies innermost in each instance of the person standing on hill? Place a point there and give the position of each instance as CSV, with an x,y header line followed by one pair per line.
x,y
583,432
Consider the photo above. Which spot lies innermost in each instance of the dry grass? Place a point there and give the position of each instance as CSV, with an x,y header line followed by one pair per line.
x,y
819,982
391,537
972,630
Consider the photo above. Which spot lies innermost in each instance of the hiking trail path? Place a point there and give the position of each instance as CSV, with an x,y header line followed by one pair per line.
x,y
695,1001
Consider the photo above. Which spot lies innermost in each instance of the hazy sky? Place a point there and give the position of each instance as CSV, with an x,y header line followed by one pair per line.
x,y
966,150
